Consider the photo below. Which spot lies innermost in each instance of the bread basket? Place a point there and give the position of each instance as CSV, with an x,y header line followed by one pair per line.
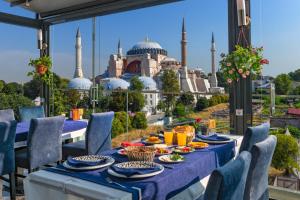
x,y
142,153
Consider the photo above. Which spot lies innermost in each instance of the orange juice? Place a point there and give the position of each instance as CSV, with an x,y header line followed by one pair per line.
x,y
168,137
181,139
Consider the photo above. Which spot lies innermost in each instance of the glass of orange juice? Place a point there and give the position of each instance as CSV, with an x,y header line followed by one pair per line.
x,y
168,135
181,139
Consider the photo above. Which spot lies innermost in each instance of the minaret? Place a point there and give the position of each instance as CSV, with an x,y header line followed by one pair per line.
x,y
78,70
213,78
183,45
119,49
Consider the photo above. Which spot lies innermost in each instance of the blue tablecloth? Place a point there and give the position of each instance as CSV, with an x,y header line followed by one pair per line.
x,y
69,126
197,165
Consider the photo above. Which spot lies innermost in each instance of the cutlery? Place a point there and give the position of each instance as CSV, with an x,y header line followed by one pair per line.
x,y
113,182
168,167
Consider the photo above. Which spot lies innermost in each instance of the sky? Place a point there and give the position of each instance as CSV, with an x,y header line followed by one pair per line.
x,y
275,25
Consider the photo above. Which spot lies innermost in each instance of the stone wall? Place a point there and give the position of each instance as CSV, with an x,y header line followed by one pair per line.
x,y
284,121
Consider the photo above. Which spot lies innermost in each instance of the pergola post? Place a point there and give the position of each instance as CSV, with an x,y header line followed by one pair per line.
x,y
240,93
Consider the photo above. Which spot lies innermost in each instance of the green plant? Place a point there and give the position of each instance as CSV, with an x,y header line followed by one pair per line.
x,y
179,110
42,70
139,121
202,103
286,152
117,128
241,63
122,116
295,132
283,84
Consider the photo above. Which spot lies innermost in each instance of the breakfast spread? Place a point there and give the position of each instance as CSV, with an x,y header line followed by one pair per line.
x,y
198,145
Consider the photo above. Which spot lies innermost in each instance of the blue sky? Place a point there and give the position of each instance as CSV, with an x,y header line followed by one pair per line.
x,y
275,25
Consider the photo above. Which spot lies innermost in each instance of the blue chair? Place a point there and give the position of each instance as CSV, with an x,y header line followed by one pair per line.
x,y
43,143
254,135
7,115
28,113
7,153
228,182
257,180
97,138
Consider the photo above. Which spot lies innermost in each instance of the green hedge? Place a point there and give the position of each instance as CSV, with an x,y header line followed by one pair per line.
x,y
139,121
217,99
201,104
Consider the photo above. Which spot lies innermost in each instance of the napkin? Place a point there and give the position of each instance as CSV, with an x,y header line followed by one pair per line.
x,y
80,163
127,144
213,137
133,171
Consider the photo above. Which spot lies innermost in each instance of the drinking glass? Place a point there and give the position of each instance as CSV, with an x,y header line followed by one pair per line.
x,y
181,139
168,135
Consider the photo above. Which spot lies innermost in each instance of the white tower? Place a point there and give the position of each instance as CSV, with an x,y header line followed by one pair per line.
x,y
78,70
120,54
213,78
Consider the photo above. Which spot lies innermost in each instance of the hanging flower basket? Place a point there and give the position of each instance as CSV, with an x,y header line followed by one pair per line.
x,y
42,70
242,63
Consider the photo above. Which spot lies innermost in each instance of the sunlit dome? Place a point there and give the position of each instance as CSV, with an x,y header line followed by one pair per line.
x,y
147,46
114,84
80,84
148,82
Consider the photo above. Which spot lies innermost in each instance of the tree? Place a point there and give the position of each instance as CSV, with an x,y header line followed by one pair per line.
x,y
139,121
136,84
296,91
179,110
222,81
2,84
32,88
118,101
13,88
202,103
283,84
186,99
122,116
295,76
170,86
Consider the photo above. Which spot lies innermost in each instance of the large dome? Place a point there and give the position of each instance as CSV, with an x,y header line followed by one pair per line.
x,y
114,84
148,82
80,84
147,46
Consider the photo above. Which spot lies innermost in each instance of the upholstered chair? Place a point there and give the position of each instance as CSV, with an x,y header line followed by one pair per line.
x,y
97,138
7,153
43,144
257,179
228,182
254,135
7,115
28,113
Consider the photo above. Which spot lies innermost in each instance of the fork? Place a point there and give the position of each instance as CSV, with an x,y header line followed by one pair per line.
x,y
113,182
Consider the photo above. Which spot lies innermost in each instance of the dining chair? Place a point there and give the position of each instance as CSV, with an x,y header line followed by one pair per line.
x,y
43,143
228,182
7,115
7,153
28,113
254,135
97,138
257,179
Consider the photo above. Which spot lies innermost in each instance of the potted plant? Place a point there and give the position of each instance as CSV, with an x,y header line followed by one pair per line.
x,y
241,63
42,70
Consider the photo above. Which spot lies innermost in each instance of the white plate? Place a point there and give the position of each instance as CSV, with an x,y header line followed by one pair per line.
x,y
109,162
166,159
214,142
113,173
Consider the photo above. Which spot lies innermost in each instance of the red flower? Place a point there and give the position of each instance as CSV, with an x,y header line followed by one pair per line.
x,y
198,120
264,61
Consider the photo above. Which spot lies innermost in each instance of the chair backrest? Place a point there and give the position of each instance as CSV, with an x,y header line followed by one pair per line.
x,y
28,113
98,135
228,182
7,141
44,141
7,115
254,135
257,180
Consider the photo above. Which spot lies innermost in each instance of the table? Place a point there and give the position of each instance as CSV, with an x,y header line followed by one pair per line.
x,y
181,181
71,129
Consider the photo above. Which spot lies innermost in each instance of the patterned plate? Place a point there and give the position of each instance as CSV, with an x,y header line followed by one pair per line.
x,y
167,159
137,164
91,158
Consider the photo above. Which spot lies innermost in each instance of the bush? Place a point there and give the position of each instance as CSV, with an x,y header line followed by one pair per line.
x,y
202,103
217,99
14,101
295,132
117,128
139,121
122,116
286,152
179,110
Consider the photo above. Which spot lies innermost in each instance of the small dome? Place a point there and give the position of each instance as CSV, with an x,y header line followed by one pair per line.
x,y
80,84
114,83
148,82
